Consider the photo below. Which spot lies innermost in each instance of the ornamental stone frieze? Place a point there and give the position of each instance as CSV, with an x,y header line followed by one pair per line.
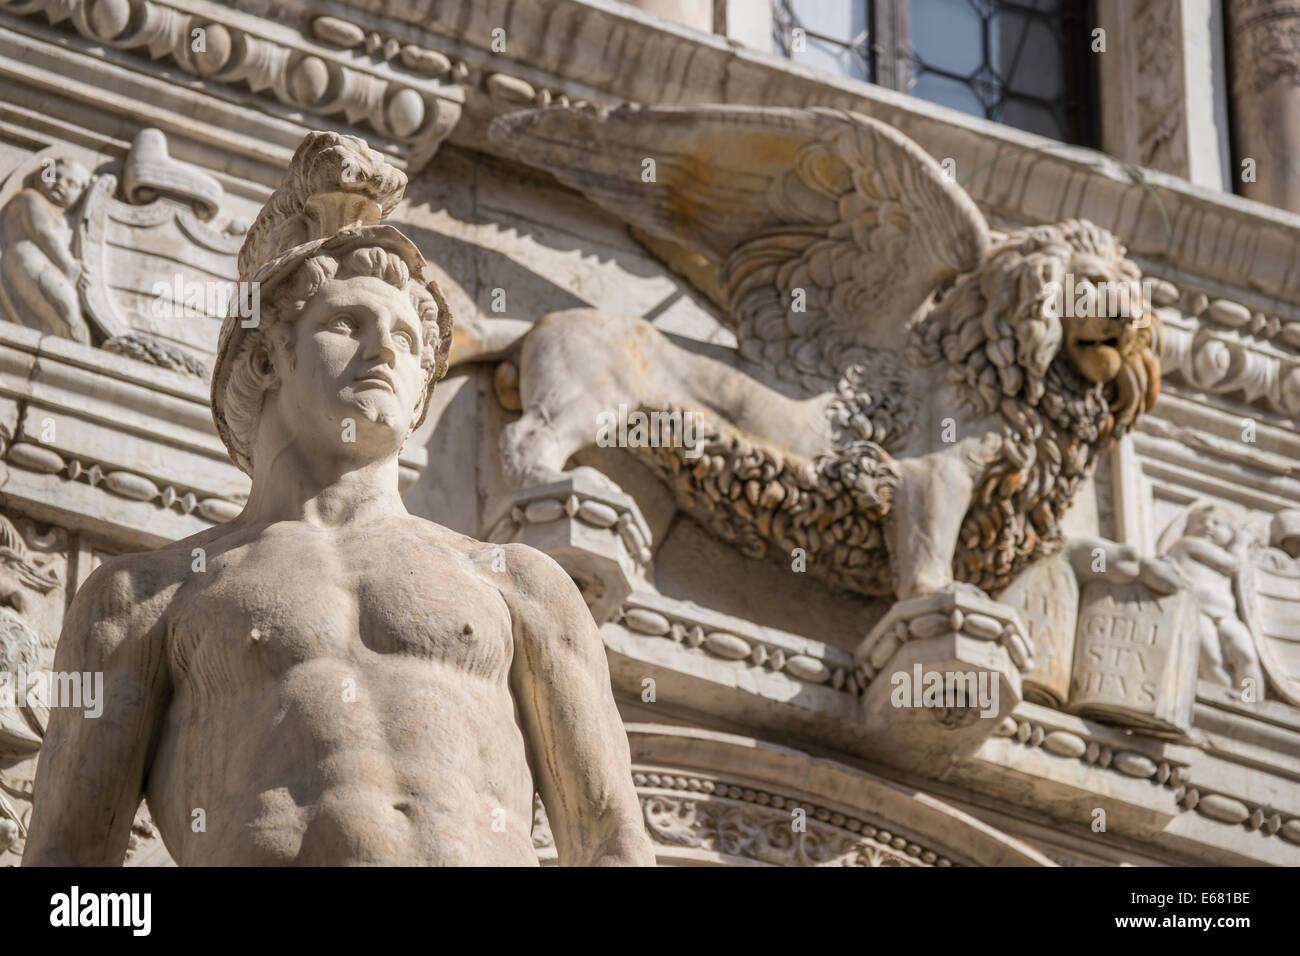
x,y
405,97
711,798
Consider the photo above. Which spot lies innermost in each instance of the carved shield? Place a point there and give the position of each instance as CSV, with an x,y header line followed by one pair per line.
x,y
155,269
1269,597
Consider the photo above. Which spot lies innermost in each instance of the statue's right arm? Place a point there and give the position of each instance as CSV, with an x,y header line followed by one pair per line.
x,y
91,770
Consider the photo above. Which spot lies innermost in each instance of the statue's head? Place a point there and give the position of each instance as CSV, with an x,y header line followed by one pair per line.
x,y
351,332
63,181
1214,522
1284,532
1106,321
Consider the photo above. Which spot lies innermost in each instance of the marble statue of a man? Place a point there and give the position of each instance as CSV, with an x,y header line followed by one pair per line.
x,y
327,679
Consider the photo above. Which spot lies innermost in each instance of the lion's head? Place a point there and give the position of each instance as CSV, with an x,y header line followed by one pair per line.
x,y
1052,332
1065,290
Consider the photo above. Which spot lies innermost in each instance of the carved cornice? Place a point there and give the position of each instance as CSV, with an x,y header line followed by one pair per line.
x,y
1223,347
124,484
1169,774
811,664
405,99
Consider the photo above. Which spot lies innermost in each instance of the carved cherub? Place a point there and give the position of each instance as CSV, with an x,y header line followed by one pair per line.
x,y
1214,555
39,268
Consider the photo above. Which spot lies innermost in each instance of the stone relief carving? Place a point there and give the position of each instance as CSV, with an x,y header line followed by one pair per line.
x,y
755,825
1266,43
1223,347
147,275
39,269
1162,135
31,606
1214,554
872,306
1246,591
1135,657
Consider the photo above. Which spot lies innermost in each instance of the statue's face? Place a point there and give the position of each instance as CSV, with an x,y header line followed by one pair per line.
x,y
69,182
1102,330
355,355
1213,524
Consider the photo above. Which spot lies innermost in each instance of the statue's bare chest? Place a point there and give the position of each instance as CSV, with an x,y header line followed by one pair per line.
x,y
363,601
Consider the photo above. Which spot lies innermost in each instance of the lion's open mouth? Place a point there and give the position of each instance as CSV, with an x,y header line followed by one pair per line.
x,y
1112,342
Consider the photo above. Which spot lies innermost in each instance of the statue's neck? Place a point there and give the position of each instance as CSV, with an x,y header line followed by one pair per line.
x,y
300,484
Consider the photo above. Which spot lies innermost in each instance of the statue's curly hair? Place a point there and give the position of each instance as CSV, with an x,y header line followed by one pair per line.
x,y
325,163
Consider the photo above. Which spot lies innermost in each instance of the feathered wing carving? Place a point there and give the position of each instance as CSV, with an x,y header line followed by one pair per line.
x,y
819,232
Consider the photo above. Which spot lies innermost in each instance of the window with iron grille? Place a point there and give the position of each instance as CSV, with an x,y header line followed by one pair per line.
x,y
1026,63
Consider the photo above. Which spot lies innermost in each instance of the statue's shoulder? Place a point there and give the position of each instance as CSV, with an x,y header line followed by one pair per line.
x,y
509,564
141,584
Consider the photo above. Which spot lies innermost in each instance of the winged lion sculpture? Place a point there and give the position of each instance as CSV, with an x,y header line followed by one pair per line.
x,y
906,402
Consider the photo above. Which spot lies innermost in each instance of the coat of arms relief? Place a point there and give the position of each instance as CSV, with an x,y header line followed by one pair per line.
x,y
139,262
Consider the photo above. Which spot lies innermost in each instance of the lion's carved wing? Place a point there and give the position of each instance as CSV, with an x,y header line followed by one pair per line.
x,y
820,232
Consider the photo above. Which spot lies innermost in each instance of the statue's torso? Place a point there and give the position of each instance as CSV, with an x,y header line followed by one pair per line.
x,y
341,697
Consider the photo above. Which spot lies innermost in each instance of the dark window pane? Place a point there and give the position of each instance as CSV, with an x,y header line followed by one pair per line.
x,y
1031,116
1027,54
945,34
1026,63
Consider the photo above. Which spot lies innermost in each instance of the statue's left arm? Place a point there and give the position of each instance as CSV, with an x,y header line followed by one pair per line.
x,y
576,741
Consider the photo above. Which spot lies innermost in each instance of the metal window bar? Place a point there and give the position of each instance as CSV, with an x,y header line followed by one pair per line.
x,y
785,21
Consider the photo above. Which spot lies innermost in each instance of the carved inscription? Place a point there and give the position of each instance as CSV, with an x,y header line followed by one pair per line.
x,y
1135,657
1047,597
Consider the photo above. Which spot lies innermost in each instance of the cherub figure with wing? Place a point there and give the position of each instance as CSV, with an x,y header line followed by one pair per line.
x,y
1215,554
906,402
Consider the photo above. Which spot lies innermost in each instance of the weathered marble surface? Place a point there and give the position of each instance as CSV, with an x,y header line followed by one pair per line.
x,y
732,642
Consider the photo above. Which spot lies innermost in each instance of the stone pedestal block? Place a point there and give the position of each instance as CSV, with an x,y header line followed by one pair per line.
x,y
941,672
594,531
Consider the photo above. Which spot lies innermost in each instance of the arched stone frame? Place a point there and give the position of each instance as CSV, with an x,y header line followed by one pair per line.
x,y
720,799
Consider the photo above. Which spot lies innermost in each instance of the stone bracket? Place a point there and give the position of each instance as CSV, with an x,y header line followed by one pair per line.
x,y
941,673
594,531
